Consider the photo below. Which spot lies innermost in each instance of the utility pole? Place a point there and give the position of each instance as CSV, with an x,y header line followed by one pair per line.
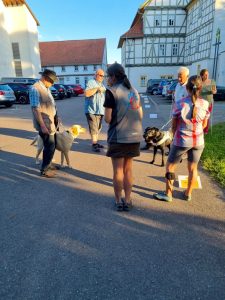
x,y
216,54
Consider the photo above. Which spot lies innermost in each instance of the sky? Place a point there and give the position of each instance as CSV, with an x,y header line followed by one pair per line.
x,y
85,19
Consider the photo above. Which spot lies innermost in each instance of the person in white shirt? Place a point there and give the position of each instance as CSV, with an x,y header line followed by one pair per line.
x,y
180,90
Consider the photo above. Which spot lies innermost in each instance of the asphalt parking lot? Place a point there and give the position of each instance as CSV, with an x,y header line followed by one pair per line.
x,y
62,239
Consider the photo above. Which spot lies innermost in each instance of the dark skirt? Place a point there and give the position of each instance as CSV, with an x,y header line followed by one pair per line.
x,y
123,150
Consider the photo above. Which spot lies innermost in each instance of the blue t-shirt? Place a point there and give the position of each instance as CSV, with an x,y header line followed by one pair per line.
x,y
94,104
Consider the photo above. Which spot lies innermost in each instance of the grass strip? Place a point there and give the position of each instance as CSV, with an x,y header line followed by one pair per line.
x,y
213,157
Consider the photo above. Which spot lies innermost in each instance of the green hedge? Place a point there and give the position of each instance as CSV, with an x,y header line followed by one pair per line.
x,y
213,157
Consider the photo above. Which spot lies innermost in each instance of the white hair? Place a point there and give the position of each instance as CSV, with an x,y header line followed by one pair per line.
x,y
183,70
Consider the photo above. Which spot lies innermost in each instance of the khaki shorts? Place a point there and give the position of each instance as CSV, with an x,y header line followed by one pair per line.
x,y
94,123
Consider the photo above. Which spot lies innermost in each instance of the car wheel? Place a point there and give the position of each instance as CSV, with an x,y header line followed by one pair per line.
x,y
8,104
23,99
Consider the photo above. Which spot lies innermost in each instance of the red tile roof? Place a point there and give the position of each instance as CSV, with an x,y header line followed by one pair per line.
x,y
135,31
72,52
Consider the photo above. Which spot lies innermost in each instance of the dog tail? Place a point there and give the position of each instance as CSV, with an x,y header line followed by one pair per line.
x,y
34,140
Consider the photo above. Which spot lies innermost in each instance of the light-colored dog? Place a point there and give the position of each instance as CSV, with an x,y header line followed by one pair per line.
x,y
64,141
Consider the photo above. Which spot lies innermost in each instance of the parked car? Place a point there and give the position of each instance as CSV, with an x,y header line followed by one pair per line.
x,y
7,96
21,92
165,87
162,83
171,90
61,90
220,94
69,90
54,92
77,89
152,86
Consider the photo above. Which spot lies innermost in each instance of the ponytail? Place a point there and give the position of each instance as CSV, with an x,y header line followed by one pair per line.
x,y
118,72
194,86
194,96
126,82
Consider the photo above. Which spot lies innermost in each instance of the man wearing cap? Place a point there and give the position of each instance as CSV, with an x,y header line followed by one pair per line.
x,y
94,109
44,113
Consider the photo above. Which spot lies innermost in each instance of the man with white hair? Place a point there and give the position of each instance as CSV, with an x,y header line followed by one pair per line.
x,y
180,90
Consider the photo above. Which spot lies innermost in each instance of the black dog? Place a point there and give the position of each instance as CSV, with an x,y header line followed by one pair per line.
x,y
159,140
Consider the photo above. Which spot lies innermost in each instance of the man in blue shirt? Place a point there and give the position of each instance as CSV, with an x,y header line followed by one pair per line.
x,y
94,110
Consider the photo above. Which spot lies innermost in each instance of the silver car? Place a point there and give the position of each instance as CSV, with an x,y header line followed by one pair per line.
x,y
7,96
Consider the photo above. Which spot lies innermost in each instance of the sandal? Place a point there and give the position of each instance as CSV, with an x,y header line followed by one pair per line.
x,y
186,197
127,206
119,206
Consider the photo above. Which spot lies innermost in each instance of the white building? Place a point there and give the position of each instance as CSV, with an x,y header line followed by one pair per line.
x,y
166,34
74,61
19,51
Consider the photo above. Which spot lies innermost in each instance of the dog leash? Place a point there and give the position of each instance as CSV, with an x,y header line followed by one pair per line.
x,y
165,124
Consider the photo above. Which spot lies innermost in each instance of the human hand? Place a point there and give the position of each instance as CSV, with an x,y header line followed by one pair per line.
x,y
44,129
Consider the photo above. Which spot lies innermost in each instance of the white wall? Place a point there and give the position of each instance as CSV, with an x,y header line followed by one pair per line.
x,y
18,26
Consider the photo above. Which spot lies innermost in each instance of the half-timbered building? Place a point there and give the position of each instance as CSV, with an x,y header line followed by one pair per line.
x,y
166,34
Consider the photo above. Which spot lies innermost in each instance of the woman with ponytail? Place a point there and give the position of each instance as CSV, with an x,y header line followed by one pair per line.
x,y
123,113
190,117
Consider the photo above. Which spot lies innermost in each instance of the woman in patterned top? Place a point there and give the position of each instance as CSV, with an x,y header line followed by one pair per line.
x,y
208,89
190,117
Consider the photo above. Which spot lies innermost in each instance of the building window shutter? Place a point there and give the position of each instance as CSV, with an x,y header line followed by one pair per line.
x,y
16,50
18,68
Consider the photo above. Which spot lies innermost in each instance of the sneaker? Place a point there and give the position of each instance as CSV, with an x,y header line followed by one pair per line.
x,y
95,148
100,146
48,174
119,206
54,167
162,196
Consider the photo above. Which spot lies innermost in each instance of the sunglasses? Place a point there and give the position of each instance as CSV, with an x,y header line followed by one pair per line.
x,y
100,75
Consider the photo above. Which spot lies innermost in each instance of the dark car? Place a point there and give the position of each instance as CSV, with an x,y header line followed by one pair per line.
x,y
69,90
54,92
61,90
7,96
152,86
77,89
220,94
21,92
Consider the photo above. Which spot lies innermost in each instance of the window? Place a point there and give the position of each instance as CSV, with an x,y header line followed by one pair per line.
x,y
76,68
157,21
61,80
63,69
77,80
85,81
162,50
85,68
68,78
175,50
189,48
16,50
197,44
94,67
171,21
18,68
143,80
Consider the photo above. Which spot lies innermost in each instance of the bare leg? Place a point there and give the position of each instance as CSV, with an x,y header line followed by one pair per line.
x,y
192,177
128,178
62,159
67,159
118,177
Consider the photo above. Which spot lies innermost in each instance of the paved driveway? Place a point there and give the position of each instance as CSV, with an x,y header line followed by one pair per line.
x,y
62,239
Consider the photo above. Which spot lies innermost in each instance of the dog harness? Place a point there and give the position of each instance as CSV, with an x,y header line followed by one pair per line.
x,y
167,136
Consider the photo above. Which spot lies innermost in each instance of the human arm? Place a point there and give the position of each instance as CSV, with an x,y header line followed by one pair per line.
x,y
213,84
93,88
108,115
174,125
35,106
109,105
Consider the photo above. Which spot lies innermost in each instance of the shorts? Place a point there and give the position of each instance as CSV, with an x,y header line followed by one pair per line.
x,y
193,153
123,150
94,123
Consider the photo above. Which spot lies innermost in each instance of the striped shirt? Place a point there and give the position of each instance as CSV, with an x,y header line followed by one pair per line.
x,y
189,131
